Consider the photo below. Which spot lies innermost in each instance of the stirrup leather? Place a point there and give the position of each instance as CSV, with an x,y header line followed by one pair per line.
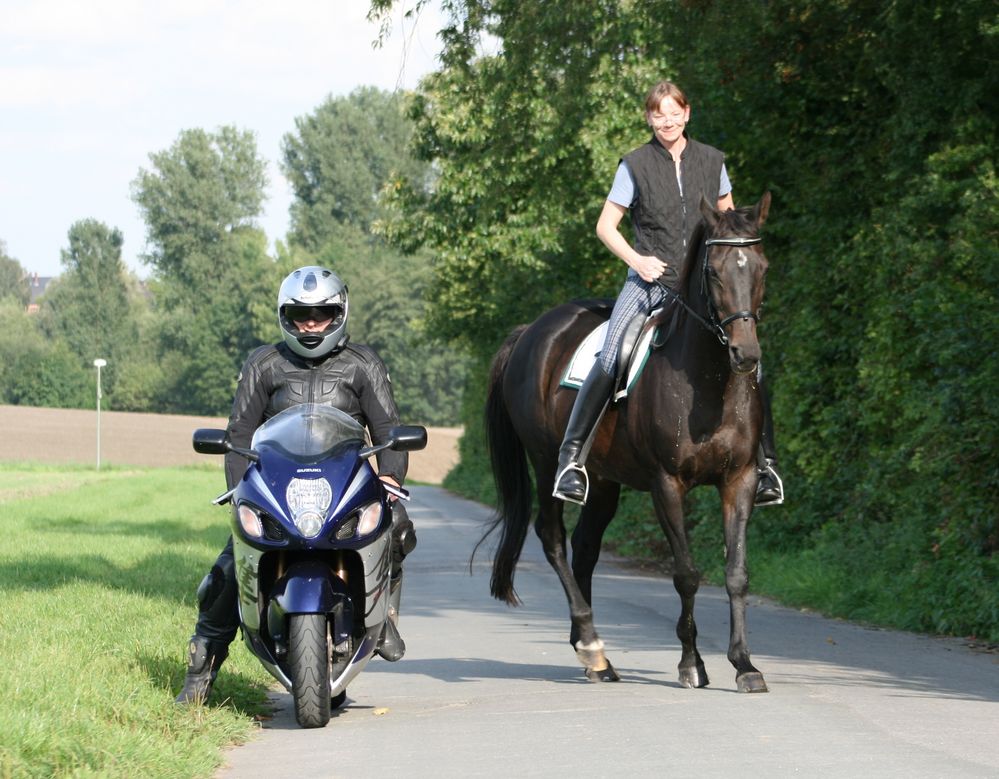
x,y
780,488
573,466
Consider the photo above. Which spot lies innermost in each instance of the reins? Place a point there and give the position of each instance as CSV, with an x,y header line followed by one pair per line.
x,y
712,324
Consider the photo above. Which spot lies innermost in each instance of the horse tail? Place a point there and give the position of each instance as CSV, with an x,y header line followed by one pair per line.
x,y
513,481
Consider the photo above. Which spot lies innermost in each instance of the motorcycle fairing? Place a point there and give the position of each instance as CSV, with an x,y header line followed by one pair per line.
x,y
309,587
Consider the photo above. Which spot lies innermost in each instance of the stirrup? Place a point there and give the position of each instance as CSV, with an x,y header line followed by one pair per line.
x,y
556,493
780,488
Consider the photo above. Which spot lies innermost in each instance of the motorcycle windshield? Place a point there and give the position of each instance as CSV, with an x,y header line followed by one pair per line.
x,y
309,432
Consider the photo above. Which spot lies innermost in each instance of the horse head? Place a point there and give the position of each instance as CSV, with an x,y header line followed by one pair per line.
x,y
733,278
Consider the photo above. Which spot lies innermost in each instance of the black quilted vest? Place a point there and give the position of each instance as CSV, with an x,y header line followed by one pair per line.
x,y
664,219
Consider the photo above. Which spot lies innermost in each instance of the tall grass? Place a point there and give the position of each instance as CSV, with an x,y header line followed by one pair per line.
x,y
98,572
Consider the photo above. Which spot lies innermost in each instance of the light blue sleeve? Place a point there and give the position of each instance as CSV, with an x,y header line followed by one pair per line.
x,y
622,190
725,186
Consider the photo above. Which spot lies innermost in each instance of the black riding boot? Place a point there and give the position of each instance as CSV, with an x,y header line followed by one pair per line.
x,y
770,488
218,623
390,645
571,481
204,658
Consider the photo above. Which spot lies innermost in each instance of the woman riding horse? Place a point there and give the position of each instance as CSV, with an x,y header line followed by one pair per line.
x,y
694,416
659,182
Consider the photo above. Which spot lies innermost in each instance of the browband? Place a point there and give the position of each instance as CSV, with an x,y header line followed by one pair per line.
x,y
732,241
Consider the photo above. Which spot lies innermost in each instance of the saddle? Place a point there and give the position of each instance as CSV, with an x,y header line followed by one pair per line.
x,y
642,335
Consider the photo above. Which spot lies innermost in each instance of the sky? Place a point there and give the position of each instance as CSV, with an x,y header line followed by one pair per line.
x,y
89,90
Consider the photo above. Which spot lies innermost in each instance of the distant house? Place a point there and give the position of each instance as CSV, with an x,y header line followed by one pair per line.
x,y
37,286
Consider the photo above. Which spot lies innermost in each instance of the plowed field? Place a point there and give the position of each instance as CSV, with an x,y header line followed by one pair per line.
x,y
56,435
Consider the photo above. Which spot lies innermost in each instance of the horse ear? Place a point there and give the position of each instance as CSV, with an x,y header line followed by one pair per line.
x,y
709,212
762,210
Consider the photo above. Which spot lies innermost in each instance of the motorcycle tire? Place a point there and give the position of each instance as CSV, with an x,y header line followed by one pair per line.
x,y
309,661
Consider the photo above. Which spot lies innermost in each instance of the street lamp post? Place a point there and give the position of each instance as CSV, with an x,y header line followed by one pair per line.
x,y
99,363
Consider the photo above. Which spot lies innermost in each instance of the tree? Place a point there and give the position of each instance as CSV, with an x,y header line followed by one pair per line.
x,y
209,259
13,278
88,307
201,190
339,159
36,370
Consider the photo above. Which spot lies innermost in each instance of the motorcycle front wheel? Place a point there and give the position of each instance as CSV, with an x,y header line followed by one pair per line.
x,y
309,661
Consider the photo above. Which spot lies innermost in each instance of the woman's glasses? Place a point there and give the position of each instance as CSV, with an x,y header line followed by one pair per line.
x,y
661,120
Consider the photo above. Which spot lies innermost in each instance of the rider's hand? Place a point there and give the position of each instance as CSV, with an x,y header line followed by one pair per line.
x,y
389,480
649,268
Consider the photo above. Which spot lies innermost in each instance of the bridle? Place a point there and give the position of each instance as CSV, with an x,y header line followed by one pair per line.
x,y
712,323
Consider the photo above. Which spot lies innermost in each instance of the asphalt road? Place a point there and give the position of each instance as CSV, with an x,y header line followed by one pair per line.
x,y
486,690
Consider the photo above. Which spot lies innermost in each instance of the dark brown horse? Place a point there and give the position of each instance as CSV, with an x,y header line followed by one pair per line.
x,y
692,418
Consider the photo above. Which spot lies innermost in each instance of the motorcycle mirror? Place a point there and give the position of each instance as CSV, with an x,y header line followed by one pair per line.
x,y
408,438
208,440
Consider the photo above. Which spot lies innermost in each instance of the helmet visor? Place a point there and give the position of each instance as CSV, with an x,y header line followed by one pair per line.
x,y
314,313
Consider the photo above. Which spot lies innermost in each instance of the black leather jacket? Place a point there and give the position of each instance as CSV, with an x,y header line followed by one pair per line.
x,y
353,380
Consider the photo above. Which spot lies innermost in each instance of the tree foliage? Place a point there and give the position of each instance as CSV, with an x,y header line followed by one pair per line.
x,y
201,190
209,259
37,371
339,159
89,307
875,128
13,278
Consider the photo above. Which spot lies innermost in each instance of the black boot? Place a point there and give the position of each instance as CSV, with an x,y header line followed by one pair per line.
x,y
571,482
204,658
770,488
390,645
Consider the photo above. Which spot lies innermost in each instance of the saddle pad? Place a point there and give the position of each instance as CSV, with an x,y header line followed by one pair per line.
x,y
586,354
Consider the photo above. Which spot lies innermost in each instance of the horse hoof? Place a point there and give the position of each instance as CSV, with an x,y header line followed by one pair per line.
x,y
607,674
751,682
695,677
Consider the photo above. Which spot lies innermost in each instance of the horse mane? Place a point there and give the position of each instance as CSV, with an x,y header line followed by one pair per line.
x,y
740,222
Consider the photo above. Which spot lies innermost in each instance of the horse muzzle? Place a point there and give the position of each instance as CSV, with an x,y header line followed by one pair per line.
x,y
744,357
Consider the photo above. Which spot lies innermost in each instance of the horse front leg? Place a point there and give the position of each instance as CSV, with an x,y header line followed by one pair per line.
x,y
594,518
667,497
737,504
583,635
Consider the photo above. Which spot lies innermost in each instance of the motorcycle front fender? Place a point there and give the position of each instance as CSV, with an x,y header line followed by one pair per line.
x,y
309,588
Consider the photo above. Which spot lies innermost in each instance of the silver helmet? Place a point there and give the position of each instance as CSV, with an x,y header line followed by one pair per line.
x,y
317,293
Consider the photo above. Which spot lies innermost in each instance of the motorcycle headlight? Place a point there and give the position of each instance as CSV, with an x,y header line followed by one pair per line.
x,y
309,500
249,520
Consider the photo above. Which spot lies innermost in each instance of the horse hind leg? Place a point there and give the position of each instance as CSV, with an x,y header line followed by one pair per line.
x,y
594,518
550,529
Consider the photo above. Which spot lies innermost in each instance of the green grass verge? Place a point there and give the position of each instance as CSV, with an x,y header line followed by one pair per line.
x,y
99,571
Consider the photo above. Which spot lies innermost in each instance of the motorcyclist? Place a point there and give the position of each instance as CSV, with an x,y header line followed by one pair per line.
x,y
314,363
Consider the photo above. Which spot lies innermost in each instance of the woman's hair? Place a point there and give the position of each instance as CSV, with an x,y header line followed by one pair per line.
x,y
663,90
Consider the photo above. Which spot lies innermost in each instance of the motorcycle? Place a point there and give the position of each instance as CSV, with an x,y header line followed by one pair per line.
x,y
312,540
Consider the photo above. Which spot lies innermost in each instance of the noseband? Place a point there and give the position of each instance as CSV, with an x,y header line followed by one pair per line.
x,y
712,324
